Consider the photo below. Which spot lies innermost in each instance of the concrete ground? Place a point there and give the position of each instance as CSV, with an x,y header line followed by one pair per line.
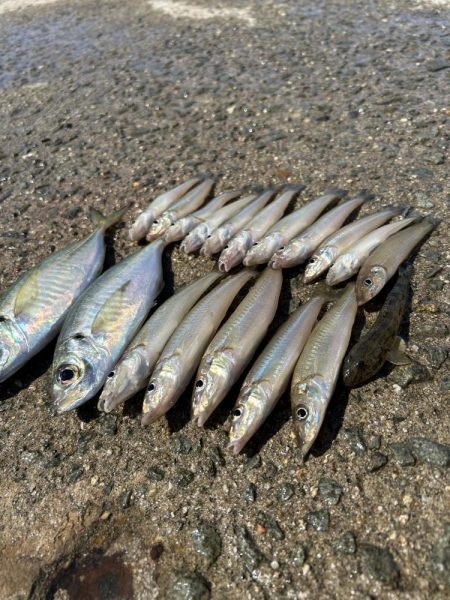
x,y
106,102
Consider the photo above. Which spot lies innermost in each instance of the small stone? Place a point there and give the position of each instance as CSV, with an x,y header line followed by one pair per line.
x,y
270,470
285,491
181,444
301,555
436,329
437,355
183,478
374,442
376,461
249,494
105,515
217,456
107,424
330,490
189,587
445,383
379,564
318,520
402,454
254,462
346,544
207,541
440,558
409,374
249,552
422,201
431,452
271,525
437,64
125,499
76,474
354,437
73,212
434,158
155,474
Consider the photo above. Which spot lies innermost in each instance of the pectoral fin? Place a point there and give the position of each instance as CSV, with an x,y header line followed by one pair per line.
x,y
397,354
112,311
27,294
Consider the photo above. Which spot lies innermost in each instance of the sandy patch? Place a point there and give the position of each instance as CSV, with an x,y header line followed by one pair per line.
x,y
183,10
9,5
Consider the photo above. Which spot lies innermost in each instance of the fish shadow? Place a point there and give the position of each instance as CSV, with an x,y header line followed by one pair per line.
x,y
333,421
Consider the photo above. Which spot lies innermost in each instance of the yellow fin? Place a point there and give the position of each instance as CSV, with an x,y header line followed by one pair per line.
x,y
396,354
112,310
27,294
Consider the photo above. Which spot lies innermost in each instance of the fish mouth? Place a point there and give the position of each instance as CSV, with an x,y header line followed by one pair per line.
x,y
276,262
235,446
200,419
224,266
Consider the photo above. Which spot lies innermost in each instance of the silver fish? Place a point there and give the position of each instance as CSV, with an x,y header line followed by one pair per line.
x,y
32,310
188,203
234,345
290,226
145,219
348,263
236,249
198,236
178,230
316,372
183,351
101,324
340,241
269,376
380,266
133,371
218,239
301,247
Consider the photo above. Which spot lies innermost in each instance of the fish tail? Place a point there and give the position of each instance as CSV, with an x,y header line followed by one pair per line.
x,y
339,192
107,221
364,195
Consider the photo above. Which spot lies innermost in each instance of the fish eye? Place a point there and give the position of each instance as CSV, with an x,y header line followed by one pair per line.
x,y
2,319
199,384
282,247
155,221
226,246
368,282
111,374
312,260
360,364
67,375
208,236
255,243
302,413
151,387
236,413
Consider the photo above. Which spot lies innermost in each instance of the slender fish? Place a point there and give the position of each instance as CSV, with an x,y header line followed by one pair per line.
x,y
188,203
218,239
236,249
290,226
269,376
101,324
32,310
301,247
381,342
381,265
348,263
178,230
340,241
183,351
234,345
196,238
133,371
145,219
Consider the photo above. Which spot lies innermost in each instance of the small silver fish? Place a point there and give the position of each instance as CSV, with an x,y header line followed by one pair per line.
x,y
234,345
301,247
219,238
133,371
340,241
183,351
145,219
348,263
187,204
269,376
380,266
33,309
101,324
236,249
290,226
316,372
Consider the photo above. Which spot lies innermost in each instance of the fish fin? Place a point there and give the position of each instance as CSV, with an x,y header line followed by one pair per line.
x,y
27,294
397,355
111,309
107,221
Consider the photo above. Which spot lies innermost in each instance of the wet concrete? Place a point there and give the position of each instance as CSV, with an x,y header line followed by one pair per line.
x,y
108,102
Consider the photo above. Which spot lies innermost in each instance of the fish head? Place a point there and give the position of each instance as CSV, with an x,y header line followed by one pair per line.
x,y
211,385
247,415
13,346
308,410
159,226
234,252
195,238
262,251
343,268
370,282
128,377
216,240
353,370
162,391
288,256
141,226
319,262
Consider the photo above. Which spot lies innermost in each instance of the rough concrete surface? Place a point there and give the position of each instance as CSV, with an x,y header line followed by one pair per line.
x,y
106,102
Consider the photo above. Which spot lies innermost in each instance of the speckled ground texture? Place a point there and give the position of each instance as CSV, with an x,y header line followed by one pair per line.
x,y
107,102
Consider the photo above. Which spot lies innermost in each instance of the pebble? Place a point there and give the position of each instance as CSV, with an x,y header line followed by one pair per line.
x,y
402,454
379,564
440,558
254,462
183,478
346,544
301,554
155,474
285,491
374,442
422,201
207,541
270,470
376,461
437,356
251,555
192,586
250,493
318,520
271,525
355,439
431,452
125,499
409,374
181,444
445,383
330,490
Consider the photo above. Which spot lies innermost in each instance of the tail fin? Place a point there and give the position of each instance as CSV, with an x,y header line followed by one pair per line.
x,y
107,221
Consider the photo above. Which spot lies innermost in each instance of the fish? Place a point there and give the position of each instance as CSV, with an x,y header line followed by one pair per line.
x,y
349,262
132,372
340,241
101,324
219,238
33,309
178,230
380,266
290,226
182,353
381,342
187,204
234,345
145,219
302,246
269,376
316,372
236,249
198,236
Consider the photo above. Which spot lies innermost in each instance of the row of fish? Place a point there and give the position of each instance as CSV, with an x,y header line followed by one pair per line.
x,y
253,231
